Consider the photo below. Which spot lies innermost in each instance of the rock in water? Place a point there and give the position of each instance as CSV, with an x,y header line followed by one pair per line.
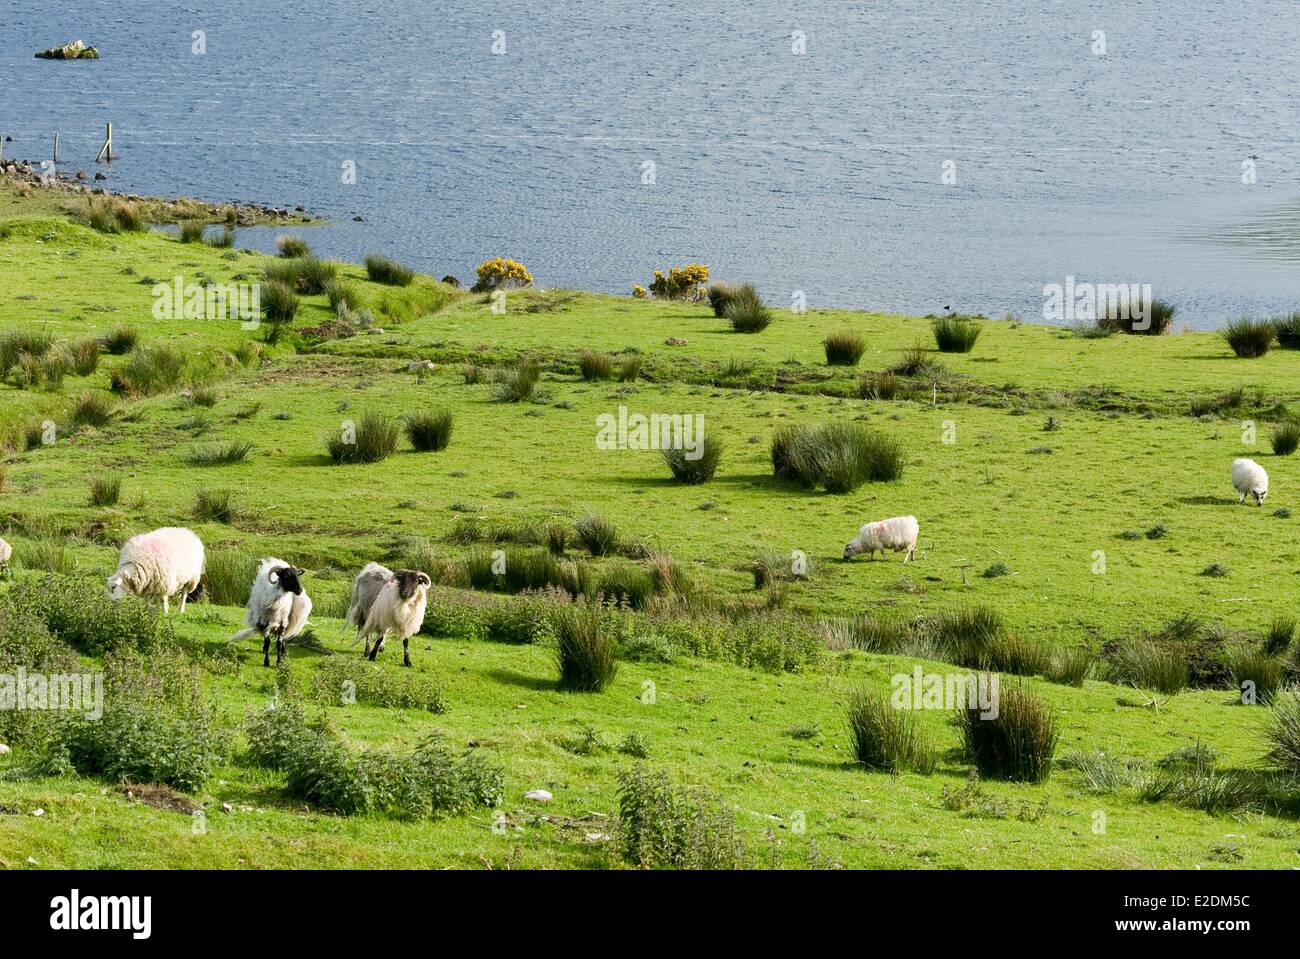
x,y
76,50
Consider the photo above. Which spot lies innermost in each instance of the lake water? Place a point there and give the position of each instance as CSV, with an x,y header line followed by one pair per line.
x,y
819,172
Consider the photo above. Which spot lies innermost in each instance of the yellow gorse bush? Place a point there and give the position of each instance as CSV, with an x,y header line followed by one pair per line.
x,y
502,274
681,283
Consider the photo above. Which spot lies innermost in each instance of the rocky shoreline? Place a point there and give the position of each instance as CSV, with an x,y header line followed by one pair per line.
x,y
25,176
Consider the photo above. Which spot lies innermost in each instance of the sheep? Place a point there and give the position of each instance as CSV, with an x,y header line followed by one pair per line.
x,y
897,533
6,553
372,578
1249,478
277,606
398,609
160,563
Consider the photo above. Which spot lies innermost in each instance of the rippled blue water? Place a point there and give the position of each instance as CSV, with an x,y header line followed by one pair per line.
x,y
819,172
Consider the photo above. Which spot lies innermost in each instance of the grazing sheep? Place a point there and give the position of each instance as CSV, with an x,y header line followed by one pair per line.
x,y
1249,478
372,578
6,552
398,609
277,606
162,563
897,533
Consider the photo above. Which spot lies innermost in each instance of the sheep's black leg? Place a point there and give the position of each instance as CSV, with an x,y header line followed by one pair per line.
x,y
266,649
279,647
374,651
406,651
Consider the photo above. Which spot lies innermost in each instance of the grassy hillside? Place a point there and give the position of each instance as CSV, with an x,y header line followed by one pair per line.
x,y
1030,456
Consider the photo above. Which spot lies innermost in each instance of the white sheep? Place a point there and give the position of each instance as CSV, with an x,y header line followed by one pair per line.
x,y
6,552
162,563
398,609
277,606
897,533
372,578
1249,478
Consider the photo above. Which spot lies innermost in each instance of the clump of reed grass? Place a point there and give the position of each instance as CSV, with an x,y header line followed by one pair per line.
x,y
629,369
1159,321
1277,640
149,370
698,466
595,366
1149,665
225,454
215,506
373,439
955,334
83,356
886,739
596,534
1283,732
292,247
429,431
518,384
585,649
92,409
719,295
1248,338
1285,438
381,269
838,456
1018,744
844,348
745,310
191,231
882,385
121,340
1287,330
105,490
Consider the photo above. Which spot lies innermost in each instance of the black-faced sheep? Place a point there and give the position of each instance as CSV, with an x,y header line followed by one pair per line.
x,y
162,563
365,588
1249,479
277,606
398,609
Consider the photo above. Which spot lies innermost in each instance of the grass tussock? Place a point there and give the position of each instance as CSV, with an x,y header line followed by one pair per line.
x,y
886,739
92,409
844,348
223,454
1249,339
955,334
596,534
518,384
215,506
380,269
1285,438
585,648
430,431
148,371
105,490
697,466
373,439
1018,744
121,340
837,456
745,310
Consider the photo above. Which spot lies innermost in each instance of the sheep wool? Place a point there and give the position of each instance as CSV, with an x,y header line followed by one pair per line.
x,y
163,562
365,588
6,552
1249,479
898,533
398,610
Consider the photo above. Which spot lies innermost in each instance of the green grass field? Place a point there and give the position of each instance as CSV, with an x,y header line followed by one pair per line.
x,y
1046,454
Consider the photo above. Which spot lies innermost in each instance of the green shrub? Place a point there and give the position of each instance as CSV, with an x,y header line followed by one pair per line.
x,y
745,310
1249,338
338,681
702,467
1018,744
1285,438
430,431
78,613
105,490
844,348
665,827
381,269
596,534
955,334
373,439
585,648
886,739
149,370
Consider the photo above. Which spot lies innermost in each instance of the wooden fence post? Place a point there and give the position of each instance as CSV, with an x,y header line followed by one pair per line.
x,y
106,151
